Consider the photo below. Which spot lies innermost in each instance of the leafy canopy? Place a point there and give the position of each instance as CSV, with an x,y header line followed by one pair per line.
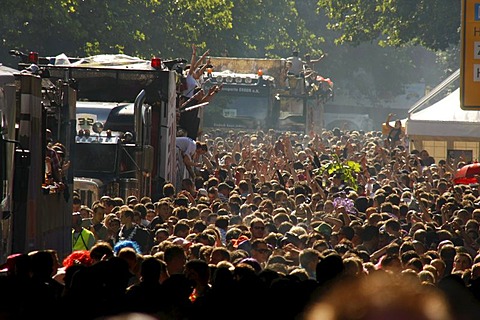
x,y
433,24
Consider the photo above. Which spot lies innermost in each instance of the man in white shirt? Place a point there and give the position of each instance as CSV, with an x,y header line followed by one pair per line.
x,y
187,150
296,67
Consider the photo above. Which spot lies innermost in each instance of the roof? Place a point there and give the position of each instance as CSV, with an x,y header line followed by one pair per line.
x,y
6,74
121,61
444,118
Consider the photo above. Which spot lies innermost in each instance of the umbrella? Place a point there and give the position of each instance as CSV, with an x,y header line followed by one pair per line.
x,y
467,173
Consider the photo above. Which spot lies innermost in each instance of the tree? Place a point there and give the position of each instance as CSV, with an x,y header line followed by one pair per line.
x,y
245,28
268,28
39,26
134,27
432,24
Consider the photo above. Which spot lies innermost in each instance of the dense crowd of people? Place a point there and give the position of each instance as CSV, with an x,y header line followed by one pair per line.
x,y
340,224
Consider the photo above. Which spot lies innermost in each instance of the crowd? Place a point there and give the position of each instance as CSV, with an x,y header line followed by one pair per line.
x,y
269,225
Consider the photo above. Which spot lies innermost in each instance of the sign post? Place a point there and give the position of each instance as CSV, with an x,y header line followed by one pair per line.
x,y
470,64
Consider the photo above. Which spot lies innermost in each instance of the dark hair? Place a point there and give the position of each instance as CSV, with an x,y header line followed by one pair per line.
x,y
100,250
202,146
140,207
168,190
199,226
369,232
128,213
151,268
222,222
348,231
77,200
200,266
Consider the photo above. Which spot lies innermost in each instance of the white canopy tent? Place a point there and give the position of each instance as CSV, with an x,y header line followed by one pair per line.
x,y
444,128
445,119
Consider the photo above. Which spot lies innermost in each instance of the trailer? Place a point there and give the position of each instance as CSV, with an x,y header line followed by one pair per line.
x,y
35,210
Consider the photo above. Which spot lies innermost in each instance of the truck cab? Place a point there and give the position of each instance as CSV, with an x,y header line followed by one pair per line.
x,y
246,101
108,157
259,94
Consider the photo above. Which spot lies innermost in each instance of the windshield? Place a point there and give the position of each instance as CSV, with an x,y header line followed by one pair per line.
x,y
237,112
90,157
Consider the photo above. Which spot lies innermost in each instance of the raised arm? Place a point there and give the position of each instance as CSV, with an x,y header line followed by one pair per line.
x,y
199,61
202,69
389,118
317,60
193,61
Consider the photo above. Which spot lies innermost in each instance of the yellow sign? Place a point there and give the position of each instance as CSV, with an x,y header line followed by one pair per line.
x,y
470,65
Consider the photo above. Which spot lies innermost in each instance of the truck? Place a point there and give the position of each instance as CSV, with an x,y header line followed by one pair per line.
x,y
258,94
124,138
123,164
35,211
246,101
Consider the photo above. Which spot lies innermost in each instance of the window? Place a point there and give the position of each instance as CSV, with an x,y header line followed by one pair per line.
x,y
467,145
436,149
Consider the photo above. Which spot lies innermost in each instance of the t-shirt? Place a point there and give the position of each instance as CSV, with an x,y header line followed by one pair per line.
x,y
297,65
101,231
187,145
138,234
191,85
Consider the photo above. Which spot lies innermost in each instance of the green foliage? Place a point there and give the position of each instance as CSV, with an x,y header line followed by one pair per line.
x,y
268,28
433,24
136,27
244,28
248,28
348,170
